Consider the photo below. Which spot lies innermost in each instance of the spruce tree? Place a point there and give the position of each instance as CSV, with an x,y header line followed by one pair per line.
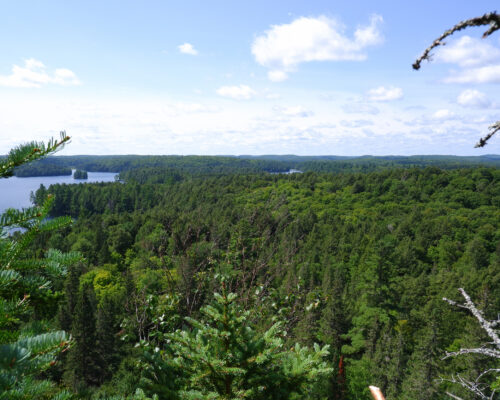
x,y
82,365
222,356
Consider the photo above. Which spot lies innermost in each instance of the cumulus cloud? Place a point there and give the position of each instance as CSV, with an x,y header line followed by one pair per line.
x,y
294,111
473,98
283,47
479,60
187,48
34,75
468,52
241,92
385,94
486,74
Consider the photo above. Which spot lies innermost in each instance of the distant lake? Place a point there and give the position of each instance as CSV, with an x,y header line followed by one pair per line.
x,y
15,192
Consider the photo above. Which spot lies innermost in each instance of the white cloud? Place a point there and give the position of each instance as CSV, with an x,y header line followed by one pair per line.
x,y
277,76
473,98
283,47
34,75
443,115
187,48
478,59
294,111
385,94
241,92
486,74
468,52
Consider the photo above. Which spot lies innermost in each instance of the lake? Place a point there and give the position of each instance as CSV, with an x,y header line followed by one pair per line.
x,y
15,192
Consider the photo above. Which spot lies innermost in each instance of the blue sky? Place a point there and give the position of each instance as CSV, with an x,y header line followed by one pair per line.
x,y
247,77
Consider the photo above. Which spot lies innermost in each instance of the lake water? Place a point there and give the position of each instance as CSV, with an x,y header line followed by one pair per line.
x,y
15,192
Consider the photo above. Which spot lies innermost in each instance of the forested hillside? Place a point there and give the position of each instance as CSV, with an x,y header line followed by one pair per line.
x,y
356,261
245,164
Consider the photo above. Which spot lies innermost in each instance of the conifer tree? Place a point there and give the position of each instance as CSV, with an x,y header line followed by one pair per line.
x,y
223,357
82,365
26,352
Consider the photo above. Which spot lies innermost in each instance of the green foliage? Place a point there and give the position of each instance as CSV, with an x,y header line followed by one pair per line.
x,y
29,152
25,289
80,174
356,261
222,356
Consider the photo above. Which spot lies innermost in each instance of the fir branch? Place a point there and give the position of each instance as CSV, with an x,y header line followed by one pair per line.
x,y
29,152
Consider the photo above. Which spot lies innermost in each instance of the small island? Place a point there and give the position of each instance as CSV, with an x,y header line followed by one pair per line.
x,y
80,174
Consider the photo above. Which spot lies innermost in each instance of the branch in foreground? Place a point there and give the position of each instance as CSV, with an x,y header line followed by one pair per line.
x,y
484,351
492,19
485,324
30,152
493,129
478,388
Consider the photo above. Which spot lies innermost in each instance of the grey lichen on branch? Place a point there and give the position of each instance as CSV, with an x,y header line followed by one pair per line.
x,y
477,387
493,20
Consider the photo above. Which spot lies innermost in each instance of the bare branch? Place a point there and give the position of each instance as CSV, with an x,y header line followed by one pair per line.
x,y
492,19
487,372
486,325
475,387
453,396
478,388
484,351
493,129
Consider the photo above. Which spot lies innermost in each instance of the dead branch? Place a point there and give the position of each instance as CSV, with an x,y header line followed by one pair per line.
x,y
492,19
478,388
493,129
453,396
485,324
484,351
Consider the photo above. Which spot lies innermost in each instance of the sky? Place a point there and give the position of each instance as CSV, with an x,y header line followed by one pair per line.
x,y
254,77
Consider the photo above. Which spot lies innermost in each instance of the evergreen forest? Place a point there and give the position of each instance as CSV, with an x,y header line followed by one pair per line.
x,y
180,283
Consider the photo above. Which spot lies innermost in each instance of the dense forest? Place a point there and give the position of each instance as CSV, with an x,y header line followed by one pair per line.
x,y
244,164
356,261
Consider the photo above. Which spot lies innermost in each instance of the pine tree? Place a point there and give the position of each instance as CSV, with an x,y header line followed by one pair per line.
x,y
223,357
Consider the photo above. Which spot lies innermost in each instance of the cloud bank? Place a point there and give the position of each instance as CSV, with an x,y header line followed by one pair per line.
x,y
283,47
